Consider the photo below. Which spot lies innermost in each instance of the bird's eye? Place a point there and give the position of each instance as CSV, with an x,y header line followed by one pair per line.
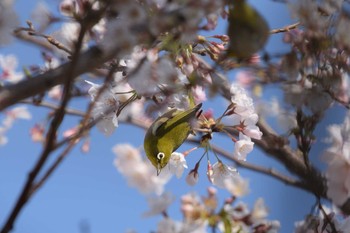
x,y
160,155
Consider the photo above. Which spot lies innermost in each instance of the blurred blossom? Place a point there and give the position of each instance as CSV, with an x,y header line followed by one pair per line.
x,y
237,186
8,65
3,138
198,226
8,21
308,15
211,201
199,94
306,94
286,119
259,211
192,14
239,211
162,76
138,172
177,164
55,93
342,33
320,224
235,227
167,225
159,204
105,107
192,208
128,28
85,148
245,78
69,7
41,16
20,112
67,35
37,133
70,132
51,62
127,156
244,220
338,158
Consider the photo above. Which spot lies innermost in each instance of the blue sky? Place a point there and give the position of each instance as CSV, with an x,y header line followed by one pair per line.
x,y
87,189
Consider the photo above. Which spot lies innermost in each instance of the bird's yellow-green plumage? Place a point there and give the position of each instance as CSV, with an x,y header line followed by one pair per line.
x,y
166,134
248,30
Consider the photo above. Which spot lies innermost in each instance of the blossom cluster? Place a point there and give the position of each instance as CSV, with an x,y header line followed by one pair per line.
x,y
324,222
245,117
200,213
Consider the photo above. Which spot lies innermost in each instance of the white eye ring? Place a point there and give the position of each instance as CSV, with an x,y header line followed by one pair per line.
x,y
160,155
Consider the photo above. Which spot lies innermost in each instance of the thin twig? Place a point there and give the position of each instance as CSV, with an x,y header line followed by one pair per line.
x,y
267,171
285,29
326,217
70,111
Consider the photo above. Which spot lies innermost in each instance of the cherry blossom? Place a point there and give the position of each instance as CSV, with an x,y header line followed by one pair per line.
x,y
159,204
105,107
243,147
177,164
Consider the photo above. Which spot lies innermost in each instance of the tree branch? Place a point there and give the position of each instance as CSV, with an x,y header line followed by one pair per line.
x,y
70,111
51,137
285,29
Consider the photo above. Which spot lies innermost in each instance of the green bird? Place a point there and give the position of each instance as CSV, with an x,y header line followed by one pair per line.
x,y
248,30
167,133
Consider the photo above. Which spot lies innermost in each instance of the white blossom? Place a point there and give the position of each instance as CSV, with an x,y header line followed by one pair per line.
x,y
237,186
127,156
139,172
167,225
177,164
245,118
154,77
243,103
192,177
159,204
338,158
105,107
308,15
243,147
250,127
260,210
221,172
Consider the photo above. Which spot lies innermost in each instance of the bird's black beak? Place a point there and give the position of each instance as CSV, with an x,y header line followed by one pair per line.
x,y
159,169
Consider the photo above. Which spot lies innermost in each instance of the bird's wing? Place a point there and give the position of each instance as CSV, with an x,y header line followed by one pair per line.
x,y
162,120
